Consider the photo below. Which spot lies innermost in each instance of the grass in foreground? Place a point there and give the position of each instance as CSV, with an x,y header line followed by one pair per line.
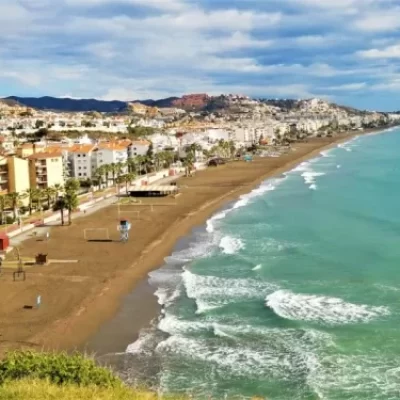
x,y
30,375
44,390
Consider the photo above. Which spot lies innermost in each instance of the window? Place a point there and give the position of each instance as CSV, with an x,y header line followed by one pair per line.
x,y
79,155
80,174
80,168
84,155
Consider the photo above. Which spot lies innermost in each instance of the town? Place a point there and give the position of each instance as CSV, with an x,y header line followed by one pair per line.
x,y
43,150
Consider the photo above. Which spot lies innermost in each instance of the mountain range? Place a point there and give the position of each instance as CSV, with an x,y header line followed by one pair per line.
x,y
83,105
190,102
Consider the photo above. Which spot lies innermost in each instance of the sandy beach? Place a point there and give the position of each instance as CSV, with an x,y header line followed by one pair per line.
x,y
78,298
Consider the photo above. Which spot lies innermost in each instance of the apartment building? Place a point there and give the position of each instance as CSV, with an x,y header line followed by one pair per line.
x,y
46,170
14,175
112,153
138,148
83,161
27,149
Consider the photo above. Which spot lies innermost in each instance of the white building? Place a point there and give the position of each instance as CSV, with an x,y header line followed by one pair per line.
x,y
82,160
138,148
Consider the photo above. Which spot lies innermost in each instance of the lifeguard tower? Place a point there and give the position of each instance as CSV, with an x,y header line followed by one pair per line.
x,y
124,227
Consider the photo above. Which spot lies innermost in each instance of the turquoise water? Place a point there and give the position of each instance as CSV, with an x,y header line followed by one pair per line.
x,y
293,291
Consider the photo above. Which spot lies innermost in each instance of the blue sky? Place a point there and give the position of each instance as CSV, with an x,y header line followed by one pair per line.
x,y
347,51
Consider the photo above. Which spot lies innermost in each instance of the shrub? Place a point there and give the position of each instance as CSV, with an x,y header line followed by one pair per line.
x,y
58,368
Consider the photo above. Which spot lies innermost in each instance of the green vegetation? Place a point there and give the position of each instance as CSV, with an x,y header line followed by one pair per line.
x,y
58,368
38,376
43,390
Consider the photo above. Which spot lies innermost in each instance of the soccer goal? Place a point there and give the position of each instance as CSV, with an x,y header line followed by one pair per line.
x,y
122,209
96,234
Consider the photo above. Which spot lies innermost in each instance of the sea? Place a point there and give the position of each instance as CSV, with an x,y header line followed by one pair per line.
x,y
293,290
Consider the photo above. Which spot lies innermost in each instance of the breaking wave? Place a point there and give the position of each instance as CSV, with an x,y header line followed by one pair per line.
x,y
322,309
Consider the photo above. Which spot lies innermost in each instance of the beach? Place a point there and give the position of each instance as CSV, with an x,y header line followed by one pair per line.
x,y
78,298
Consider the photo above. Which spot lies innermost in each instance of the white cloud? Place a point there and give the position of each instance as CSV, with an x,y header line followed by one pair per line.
x,y
348,87
25,77
387,52
165,5
382,21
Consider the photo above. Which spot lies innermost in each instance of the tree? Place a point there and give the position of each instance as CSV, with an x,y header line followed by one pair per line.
x,y
99,175
4,203
39,198
60,205
131,164
39,124
31,193
158,160
71,200
71,203
150,152
49,194
15,199
142,160
72,185
120,180
107,171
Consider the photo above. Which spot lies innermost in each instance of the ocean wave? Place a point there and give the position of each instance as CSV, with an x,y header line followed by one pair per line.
x,y
243,201
282,354
202,247
329,310
308,173
357,377
211,292
257,267
146,341
327,153
231,245
167,296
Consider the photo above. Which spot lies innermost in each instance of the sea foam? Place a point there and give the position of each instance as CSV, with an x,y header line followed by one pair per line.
x,y
322,309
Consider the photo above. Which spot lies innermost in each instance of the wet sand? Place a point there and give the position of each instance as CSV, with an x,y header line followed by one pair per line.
x,y
97,291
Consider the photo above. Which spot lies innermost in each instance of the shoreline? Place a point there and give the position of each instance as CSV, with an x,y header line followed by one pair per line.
x,y
103,290
101,342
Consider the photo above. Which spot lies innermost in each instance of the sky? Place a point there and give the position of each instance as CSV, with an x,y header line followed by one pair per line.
x,y
345,51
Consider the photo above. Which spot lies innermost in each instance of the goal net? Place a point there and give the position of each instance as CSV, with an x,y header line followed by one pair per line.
x,y
96,234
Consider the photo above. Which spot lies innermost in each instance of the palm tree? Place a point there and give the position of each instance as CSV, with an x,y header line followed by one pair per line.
x,y
15,199
131,164
49,193
107,170
188,164
60,205
39,198
120,180
71,203
113,170
120,167
169,158
58,189
4,203
71,200
141,160
158,160
99,175
32,194
127,179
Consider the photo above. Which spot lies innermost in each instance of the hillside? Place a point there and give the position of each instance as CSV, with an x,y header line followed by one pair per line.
x,y
225,104
67,104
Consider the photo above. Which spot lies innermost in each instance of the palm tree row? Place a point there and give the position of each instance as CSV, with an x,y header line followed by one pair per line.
x,y
139,165
36,197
